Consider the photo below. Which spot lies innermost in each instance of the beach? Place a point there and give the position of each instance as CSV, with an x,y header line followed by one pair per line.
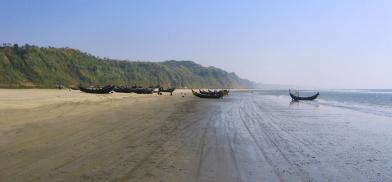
x,y
63,135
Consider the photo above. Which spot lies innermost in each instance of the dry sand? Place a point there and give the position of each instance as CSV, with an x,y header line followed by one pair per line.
x,y
51,135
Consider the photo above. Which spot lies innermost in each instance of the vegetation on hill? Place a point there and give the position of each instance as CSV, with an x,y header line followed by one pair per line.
x,y
32,66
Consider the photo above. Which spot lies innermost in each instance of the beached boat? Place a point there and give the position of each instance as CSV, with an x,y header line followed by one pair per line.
x,y
97,90
167,90
297,98
124,89
204,92
215,95
135,89
144,90
225,92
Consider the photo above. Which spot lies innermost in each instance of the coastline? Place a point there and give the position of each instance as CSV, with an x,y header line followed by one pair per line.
x,y
33,98
243,137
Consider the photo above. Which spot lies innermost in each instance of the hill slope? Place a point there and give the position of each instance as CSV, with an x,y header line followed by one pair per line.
x,y
32,66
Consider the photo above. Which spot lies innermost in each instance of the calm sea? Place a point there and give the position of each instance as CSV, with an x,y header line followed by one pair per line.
x,y
374,101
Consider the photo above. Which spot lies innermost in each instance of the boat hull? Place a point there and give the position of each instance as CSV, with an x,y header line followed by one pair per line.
x,y
297,98
208,96
103,90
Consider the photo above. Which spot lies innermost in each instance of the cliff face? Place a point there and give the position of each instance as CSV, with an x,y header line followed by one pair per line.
x,y
32,66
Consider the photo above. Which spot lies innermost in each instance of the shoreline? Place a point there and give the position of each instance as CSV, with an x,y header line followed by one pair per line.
x,y
244,137
33,98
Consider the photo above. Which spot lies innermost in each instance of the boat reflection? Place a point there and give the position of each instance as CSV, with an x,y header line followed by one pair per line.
x,y
295,103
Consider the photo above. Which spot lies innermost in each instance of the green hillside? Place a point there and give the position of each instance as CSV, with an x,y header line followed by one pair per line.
x,y
32,66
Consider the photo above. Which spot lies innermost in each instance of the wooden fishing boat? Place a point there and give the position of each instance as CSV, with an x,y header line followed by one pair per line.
x,y
124,90
167,90
143,90
297,98
216,95
225,92
134,89
97,90
204,92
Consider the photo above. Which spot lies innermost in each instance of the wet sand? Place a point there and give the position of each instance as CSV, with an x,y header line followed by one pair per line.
x,y
244,137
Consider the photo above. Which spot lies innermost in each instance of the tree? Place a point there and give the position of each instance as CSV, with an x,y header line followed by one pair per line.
x,y
16,47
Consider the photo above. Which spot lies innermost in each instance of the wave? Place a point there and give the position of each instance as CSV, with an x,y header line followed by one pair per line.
x,y
363,91
365,108
373,101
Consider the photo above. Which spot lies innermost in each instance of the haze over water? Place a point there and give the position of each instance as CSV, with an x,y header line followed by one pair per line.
x,y
373,101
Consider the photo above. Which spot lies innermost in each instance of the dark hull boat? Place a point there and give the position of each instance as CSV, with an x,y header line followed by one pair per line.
x,y
137,90
297,98
143,90
204,92
225,92
167,90
124,90
217,95
101,90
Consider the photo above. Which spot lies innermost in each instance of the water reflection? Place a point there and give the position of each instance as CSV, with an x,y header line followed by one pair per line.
x,y
294,103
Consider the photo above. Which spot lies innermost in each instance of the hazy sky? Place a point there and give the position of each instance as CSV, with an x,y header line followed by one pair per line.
x,y
326,44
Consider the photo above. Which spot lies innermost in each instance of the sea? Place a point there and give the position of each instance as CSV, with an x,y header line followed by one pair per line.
x,y
372,101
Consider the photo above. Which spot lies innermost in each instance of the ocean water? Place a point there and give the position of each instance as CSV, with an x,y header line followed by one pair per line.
x,y
373,101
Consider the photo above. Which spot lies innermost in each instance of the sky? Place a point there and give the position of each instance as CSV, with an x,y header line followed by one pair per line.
x,y
318,44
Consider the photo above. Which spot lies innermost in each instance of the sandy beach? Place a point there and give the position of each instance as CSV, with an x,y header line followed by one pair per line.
x,y
61,135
